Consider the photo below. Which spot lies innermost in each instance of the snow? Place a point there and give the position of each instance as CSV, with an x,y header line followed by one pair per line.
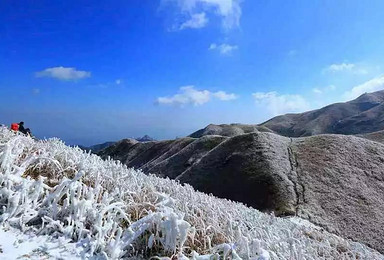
x,y
59,200
14,244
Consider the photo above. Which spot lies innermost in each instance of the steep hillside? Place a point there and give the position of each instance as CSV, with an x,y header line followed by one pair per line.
x,y
340,183
273,173
81,206
368,121
362,115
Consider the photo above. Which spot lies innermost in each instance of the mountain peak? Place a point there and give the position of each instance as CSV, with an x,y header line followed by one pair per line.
x,y
145,138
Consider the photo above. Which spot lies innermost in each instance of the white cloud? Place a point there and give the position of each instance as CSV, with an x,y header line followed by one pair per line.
x,y
223,48
324,90
346,67
118,81
62,73
224,96
340,67
369,86
187,95
190,95
198,20
277,104
228,10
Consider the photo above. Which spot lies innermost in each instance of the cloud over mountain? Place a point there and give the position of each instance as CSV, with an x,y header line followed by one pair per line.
x,y
277,104
372,85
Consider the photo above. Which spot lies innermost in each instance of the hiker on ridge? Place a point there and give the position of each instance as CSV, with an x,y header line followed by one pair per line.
x,y
21,128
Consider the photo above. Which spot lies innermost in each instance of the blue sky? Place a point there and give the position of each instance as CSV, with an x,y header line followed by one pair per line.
x,y
94,71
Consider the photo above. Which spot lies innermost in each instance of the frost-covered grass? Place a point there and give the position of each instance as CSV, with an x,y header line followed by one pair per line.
x,y
112,212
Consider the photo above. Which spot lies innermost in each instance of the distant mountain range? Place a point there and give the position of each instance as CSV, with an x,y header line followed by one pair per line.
x,y
363,115
98,147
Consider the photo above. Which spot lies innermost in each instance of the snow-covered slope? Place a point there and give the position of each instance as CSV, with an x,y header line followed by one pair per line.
x,y
109,211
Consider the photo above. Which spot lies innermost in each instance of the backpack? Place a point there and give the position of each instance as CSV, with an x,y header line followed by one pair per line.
x,y
15,126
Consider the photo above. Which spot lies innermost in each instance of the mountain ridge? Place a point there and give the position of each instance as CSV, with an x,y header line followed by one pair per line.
x,y
362,115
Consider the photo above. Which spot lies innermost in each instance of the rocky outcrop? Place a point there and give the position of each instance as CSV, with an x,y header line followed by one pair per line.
x,y
334,181
362,115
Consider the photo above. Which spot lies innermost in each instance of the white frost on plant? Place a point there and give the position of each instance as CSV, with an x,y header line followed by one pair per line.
x,y
109,211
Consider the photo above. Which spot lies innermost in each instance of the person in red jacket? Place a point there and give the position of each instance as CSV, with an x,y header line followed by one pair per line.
x,y
15,126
